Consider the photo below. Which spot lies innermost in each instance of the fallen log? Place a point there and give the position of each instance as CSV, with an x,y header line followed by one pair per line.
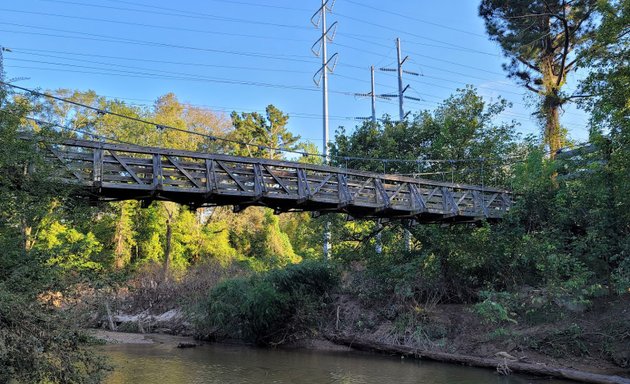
x,y
473,361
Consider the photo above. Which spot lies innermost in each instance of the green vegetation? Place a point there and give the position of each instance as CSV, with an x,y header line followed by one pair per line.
x,y
271,308
258,276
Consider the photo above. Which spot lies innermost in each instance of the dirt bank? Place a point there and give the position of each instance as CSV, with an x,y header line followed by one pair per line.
x,y
595,340
110,337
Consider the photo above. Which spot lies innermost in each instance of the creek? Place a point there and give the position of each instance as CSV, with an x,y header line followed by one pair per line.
x,y
226,364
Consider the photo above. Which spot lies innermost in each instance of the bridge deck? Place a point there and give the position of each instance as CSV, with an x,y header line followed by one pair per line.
x,y
120,172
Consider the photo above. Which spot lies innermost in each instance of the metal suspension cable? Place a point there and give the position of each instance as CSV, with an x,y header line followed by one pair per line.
x,y
214,138
65,127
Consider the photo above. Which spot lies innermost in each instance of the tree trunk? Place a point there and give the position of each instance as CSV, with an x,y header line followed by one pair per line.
x,y
27,237
119,244
167,250
551,104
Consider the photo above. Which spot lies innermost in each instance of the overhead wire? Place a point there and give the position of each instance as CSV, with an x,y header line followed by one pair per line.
x,y
382,10
98,37
201,15
195,15
134,59
156,26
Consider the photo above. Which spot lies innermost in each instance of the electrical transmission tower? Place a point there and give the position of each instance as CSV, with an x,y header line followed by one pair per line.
x,y
401,105
320,48
401,91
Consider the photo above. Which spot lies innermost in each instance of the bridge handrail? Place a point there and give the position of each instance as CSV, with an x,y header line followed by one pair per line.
x,y
148,150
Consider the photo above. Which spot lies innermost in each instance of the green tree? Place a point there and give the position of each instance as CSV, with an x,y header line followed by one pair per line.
x,y
540,37
37,343
260,131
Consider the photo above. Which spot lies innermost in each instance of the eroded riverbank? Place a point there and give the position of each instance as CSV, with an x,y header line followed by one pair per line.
x,y
161,361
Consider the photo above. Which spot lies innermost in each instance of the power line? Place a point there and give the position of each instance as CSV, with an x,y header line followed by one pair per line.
x,y
165,27
231,2
200,15
259,55
134,59
183,76
97,37
18,51
195,15
396,30
381,10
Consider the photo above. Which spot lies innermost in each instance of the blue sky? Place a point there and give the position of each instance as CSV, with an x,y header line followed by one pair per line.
x,y
245,54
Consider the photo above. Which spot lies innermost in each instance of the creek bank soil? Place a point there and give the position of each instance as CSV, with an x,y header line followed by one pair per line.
x,y
595,341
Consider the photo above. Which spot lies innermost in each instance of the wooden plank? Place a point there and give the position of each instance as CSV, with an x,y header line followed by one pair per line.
x,y
449,201
231,175
259,181
344,195
184,172
60,158
304,190
418,205
126,167
463,197
479,203
277,179
323,182
157,171
97,172
365,184
211,178
400,187
507,202
381,193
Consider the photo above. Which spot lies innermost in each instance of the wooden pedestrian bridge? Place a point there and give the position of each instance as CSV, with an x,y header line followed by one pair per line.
x,y
110,172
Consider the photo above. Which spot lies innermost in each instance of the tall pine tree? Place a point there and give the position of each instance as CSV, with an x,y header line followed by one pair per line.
x,y
540,38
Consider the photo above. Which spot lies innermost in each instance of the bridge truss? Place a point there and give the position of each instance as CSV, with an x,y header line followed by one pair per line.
x,y
111,172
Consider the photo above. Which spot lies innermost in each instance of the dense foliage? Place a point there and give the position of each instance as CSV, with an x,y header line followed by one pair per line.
x,y
271,308
38,344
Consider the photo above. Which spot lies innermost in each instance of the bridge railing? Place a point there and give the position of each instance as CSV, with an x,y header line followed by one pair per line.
x,y
121,171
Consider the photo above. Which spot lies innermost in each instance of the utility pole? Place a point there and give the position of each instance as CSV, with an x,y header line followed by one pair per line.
x,y
373,96
401,91
378,237
401,106
2,50
320,48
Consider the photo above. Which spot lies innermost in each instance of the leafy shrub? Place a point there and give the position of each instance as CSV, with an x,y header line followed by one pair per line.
x,y
492,310
267,309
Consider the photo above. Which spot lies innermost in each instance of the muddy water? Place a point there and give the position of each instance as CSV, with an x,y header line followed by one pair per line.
x,y
224,364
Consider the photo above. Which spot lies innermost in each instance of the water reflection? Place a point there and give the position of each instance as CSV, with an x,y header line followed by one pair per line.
x,y
208,364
